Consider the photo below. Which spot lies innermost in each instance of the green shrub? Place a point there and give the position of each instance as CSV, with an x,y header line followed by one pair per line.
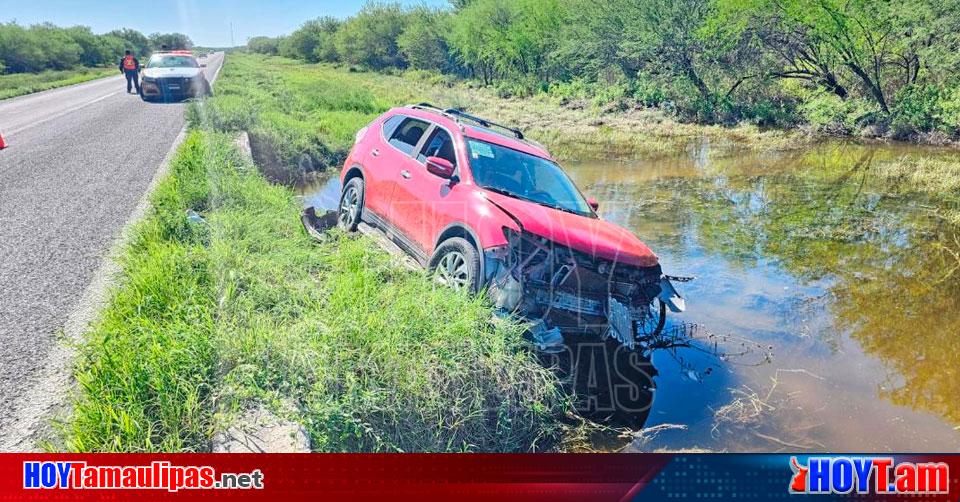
x,y
563,92
611,94
916,110
519,87
829,113
649,93
948,109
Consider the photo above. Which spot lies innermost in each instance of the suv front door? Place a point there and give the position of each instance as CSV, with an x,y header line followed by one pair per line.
x,y
423,203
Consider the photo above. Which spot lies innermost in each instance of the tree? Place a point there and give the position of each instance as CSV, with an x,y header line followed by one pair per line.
x,y
312,42
874,44
56,48
422,41
265,45
502,37
133,41
96,50
369,39
661,35
589,42
170,41
19,50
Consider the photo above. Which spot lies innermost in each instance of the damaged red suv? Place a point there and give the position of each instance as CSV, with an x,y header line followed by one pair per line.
x,y
486,209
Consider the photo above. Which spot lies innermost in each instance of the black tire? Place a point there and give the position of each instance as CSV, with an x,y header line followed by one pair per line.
x,y
644,331
351,205
456,263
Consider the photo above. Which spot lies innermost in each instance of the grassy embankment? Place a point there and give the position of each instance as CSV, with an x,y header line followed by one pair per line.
x,y
210,318
18,84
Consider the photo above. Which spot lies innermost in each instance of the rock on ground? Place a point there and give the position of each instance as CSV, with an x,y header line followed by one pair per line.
x,y
260,431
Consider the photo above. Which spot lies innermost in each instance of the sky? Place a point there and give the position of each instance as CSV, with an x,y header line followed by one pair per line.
x,y
206,22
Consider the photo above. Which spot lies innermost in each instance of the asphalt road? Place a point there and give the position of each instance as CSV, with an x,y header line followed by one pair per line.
x,y
79,161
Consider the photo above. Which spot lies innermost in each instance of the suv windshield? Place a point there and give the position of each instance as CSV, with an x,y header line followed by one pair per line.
x,y
524,176
168,61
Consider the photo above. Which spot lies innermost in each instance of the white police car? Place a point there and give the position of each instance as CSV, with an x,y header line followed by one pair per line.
x,y
173,76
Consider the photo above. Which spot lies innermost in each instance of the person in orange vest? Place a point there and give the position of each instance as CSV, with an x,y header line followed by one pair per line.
x,y
130,67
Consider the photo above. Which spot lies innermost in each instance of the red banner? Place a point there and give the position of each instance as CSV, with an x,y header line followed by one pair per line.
x,y
601,477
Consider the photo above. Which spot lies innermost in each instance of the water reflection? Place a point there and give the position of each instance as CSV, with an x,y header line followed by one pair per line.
x,y
839,269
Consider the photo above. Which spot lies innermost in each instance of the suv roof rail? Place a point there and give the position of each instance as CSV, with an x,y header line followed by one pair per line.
x,y
457,114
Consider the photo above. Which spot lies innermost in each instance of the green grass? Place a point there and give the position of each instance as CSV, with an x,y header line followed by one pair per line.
x,y
18,84
212,318
303,117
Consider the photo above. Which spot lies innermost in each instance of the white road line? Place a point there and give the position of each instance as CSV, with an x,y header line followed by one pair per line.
x,y
50,390
88,103
65,112
54,381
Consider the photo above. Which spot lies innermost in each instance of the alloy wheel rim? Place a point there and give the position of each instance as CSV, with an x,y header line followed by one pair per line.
x,y
348,207
452,270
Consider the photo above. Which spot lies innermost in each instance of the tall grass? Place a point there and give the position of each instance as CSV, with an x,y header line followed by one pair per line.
x,y
145,372
213,317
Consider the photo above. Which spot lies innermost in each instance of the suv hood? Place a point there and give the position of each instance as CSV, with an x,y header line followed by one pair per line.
x,y
171,72
593,236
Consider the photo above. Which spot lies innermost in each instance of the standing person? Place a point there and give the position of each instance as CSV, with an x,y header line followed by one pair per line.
x,y
130,66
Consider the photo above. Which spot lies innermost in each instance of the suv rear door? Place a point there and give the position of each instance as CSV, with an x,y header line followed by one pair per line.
x,y
398,138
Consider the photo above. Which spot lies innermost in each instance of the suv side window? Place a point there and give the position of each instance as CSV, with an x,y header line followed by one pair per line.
x,y
407,134
390,125
439,145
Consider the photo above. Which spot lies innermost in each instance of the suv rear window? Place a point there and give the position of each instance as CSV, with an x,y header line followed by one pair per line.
x,y
407,134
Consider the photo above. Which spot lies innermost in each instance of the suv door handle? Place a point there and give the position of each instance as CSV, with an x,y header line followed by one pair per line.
x,y
405,174
375,152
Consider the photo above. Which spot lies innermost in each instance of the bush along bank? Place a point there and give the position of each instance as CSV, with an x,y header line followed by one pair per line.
x,y
869,68
216,316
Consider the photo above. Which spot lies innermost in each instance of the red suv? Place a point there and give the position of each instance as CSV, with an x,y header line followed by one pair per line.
x,y
485,209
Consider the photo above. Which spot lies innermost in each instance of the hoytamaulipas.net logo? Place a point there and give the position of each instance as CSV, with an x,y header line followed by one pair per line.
x,y
160,475
868,475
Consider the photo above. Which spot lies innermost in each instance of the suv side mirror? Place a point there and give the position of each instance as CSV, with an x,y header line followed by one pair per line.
x,y
440,167
593,203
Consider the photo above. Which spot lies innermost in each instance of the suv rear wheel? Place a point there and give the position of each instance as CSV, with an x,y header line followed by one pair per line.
x,y
456,263
351,205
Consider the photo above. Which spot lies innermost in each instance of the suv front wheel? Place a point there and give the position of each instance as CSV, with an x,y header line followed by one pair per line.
x,y
456,263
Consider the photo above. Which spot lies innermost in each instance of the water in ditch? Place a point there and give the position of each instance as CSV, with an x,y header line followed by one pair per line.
x,y
827,277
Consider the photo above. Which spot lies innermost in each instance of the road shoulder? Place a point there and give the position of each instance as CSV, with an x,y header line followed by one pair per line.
x,y
33,422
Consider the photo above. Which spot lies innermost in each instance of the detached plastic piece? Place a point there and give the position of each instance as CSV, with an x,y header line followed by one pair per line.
x,y
549,341
670,297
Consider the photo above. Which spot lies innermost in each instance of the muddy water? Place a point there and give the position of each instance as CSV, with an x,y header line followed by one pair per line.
x,y
815,256
811,257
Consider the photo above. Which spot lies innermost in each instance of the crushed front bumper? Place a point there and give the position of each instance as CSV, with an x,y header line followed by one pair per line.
x,y
580,297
